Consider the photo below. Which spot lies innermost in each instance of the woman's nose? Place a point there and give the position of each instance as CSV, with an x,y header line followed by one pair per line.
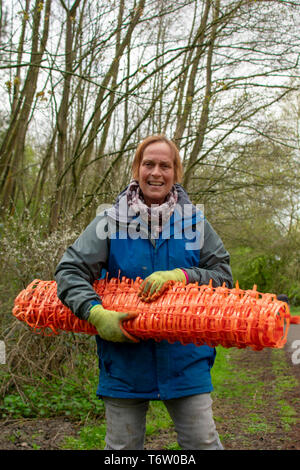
x,y
156,170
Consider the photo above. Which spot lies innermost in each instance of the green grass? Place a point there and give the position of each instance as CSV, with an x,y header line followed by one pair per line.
x,y
284,382
72,396
229,384
295,310
157,418
252,397
90,437
255,424
61,398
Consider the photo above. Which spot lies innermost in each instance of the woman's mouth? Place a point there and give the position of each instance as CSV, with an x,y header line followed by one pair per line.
x,y
155,183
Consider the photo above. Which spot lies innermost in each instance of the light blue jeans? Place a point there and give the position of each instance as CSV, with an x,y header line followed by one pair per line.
x,y
192,417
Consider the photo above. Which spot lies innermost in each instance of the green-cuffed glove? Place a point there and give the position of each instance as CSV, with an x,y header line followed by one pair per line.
x,y
155,284
108,323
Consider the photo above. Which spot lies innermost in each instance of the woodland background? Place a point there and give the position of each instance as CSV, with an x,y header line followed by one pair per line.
x,y
83,82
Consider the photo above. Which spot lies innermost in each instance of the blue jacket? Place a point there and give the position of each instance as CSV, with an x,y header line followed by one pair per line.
x,y
148,369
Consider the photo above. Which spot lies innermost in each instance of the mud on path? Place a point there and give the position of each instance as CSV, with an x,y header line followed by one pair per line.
x,y
268,431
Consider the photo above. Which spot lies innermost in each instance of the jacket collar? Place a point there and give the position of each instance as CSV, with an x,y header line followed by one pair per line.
x,y
184,215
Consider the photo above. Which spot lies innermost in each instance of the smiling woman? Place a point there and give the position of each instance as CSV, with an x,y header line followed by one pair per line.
x,y
160,138
172,242
156,173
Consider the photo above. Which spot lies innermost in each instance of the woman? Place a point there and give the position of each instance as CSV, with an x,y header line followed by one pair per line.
x,y
154,232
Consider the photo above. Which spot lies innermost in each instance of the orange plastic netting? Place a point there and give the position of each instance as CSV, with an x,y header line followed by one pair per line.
x,y
189,314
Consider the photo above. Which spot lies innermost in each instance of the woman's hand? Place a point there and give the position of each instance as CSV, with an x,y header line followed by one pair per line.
x,y
108,323
155,284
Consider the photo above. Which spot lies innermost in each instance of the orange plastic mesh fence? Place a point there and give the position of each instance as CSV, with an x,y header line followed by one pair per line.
x,y
189,314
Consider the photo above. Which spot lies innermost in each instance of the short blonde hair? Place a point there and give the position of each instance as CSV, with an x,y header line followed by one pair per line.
x,y
178,170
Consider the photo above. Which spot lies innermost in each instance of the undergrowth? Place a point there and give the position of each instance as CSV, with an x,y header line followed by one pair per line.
x,y
62,389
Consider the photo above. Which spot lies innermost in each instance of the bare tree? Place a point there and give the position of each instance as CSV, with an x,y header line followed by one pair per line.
x,y
97,77
12,148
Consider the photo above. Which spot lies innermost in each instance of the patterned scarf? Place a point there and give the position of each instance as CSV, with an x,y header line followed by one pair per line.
x,y
155,216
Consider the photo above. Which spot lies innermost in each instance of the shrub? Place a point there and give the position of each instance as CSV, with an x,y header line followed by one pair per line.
x,y
26,253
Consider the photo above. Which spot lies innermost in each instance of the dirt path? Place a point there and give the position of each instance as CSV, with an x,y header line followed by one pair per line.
x,y
275,413
258,425
268,422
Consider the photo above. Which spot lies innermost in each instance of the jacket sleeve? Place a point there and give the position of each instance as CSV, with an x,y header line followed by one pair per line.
x,y
214,261
80,266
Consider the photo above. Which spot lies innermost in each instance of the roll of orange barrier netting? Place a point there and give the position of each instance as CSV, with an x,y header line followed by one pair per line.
x,y
199,314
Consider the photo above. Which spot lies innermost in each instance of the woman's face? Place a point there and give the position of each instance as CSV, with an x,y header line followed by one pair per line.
x,y
156,172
